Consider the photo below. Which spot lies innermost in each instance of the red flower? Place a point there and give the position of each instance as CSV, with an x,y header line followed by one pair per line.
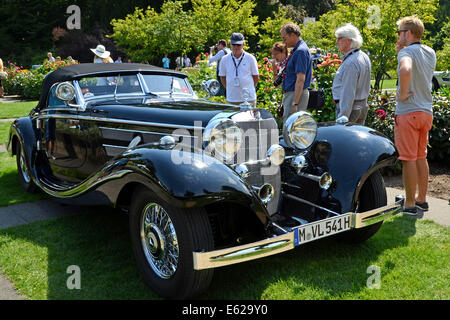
x,y
381,114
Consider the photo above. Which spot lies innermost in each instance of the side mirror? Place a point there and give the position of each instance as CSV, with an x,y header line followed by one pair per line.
x,y
212,87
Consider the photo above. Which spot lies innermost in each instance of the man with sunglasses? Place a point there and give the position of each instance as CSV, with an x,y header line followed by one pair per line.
x,y
414,111
239,73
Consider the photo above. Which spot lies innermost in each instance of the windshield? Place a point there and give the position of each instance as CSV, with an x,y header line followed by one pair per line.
x,y
114,85
162,84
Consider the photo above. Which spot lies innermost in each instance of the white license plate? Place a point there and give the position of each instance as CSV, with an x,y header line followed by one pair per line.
x,y
323,228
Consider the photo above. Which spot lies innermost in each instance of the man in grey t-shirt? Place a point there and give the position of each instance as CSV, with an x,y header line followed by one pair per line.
x,y
414,113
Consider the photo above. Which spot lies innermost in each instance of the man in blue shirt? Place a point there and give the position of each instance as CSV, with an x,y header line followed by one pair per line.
x,y
298,71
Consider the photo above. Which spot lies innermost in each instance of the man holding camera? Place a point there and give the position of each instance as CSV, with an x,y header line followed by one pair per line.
x,y
222,51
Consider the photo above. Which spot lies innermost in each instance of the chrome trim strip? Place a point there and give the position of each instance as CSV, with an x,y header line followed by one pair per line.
x,y
131,95
143,84
59,116
368,218
139,123
81,102
92,182
255,250
113,146
121,121
147,132
113,73
264,161
66,109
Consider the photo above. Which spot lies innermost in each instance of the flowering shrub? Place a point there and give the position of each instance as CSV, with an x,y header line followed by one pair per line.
x,y
439,139
267,96
381,117
26,83
202,56
50,66
324,74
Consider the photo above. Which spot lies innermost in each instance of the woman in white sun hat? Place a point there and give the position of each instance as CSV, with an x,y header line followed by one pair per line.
x,y
101,55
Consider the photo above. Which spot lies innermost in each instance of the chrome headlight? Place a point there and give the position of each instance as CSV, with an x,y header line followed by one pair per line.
x,y
300,130
65,91
223,138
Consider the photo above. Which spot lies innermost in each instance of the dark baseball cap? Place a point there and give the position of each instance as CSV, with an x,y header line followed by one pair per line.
x,y
237,38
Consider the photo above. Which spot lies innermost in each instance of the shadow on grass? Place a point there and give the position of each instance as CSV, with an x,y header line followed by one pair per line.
x,y
325,269
98,242
11,191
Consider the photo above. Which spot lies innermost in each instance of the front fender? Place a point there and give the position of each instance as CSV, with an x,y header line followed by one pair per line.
x,y
23,130
187,179
350,153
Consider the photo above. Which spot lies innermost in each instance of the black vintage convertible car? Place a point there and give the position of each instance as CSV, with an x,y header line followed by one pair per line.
x,y
205,184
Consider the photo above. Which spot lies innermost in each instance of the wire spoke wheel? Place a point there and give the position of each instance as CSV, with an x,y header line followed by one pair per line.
x,y
159,240
164,238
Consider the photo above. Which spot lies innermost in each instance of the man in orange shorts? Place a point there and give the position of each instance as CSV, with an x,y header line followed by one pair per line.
x,y
414,111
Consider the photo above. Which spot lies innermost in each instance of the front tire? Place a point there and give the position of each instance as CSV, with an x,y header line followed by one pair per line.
x,y
372,196
164,238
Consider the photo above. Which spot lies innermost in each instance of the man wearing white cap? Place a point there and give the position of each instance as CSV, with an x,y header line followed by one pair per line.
x,y
238,72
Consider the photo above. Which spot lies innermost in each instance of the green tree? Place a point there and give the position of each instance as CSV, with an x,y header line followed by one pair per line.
x,y
147,35
376,20
218,19
270,29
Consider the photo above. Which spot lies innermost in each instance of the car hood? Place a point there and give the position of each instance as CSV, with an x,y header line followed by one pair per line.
x,y
182,112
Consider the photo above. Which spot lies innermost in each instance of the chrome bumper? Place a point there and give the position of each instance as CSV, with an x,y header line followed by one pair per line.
x,y
285,242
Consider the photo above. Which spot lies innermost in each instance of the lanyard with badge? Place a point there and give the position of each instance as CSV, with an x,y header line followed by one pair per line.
x,y
236,80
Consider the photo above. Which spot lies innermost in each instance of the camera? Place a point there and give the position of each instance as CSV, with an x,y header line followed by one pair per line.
x,y
279,78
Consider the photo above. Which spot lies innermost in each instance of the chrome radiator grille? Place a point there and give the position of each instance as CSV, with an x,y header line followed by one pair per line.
x,y
258,136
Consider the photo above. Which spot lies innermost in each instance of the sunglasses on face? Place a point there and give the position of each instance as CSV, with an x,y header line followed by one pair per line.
x,y
400,31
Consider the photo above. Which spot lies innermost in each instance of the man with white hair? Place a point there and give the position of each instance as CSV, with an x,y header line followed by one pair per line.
x,y
351,84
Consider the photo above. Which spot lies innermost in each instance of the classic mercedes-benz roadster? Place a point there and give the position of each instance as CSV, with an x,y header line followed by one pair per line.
x,y
205,184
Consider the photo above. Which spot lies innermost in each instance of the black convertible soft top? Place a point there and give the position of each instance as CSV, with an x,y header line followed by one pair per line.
x,y
78,71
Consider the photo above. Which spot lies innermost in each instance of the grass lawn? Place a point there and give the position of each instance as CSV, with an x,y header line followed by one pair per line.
x,y
412,256
16,109
10,189
4,132
386,84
